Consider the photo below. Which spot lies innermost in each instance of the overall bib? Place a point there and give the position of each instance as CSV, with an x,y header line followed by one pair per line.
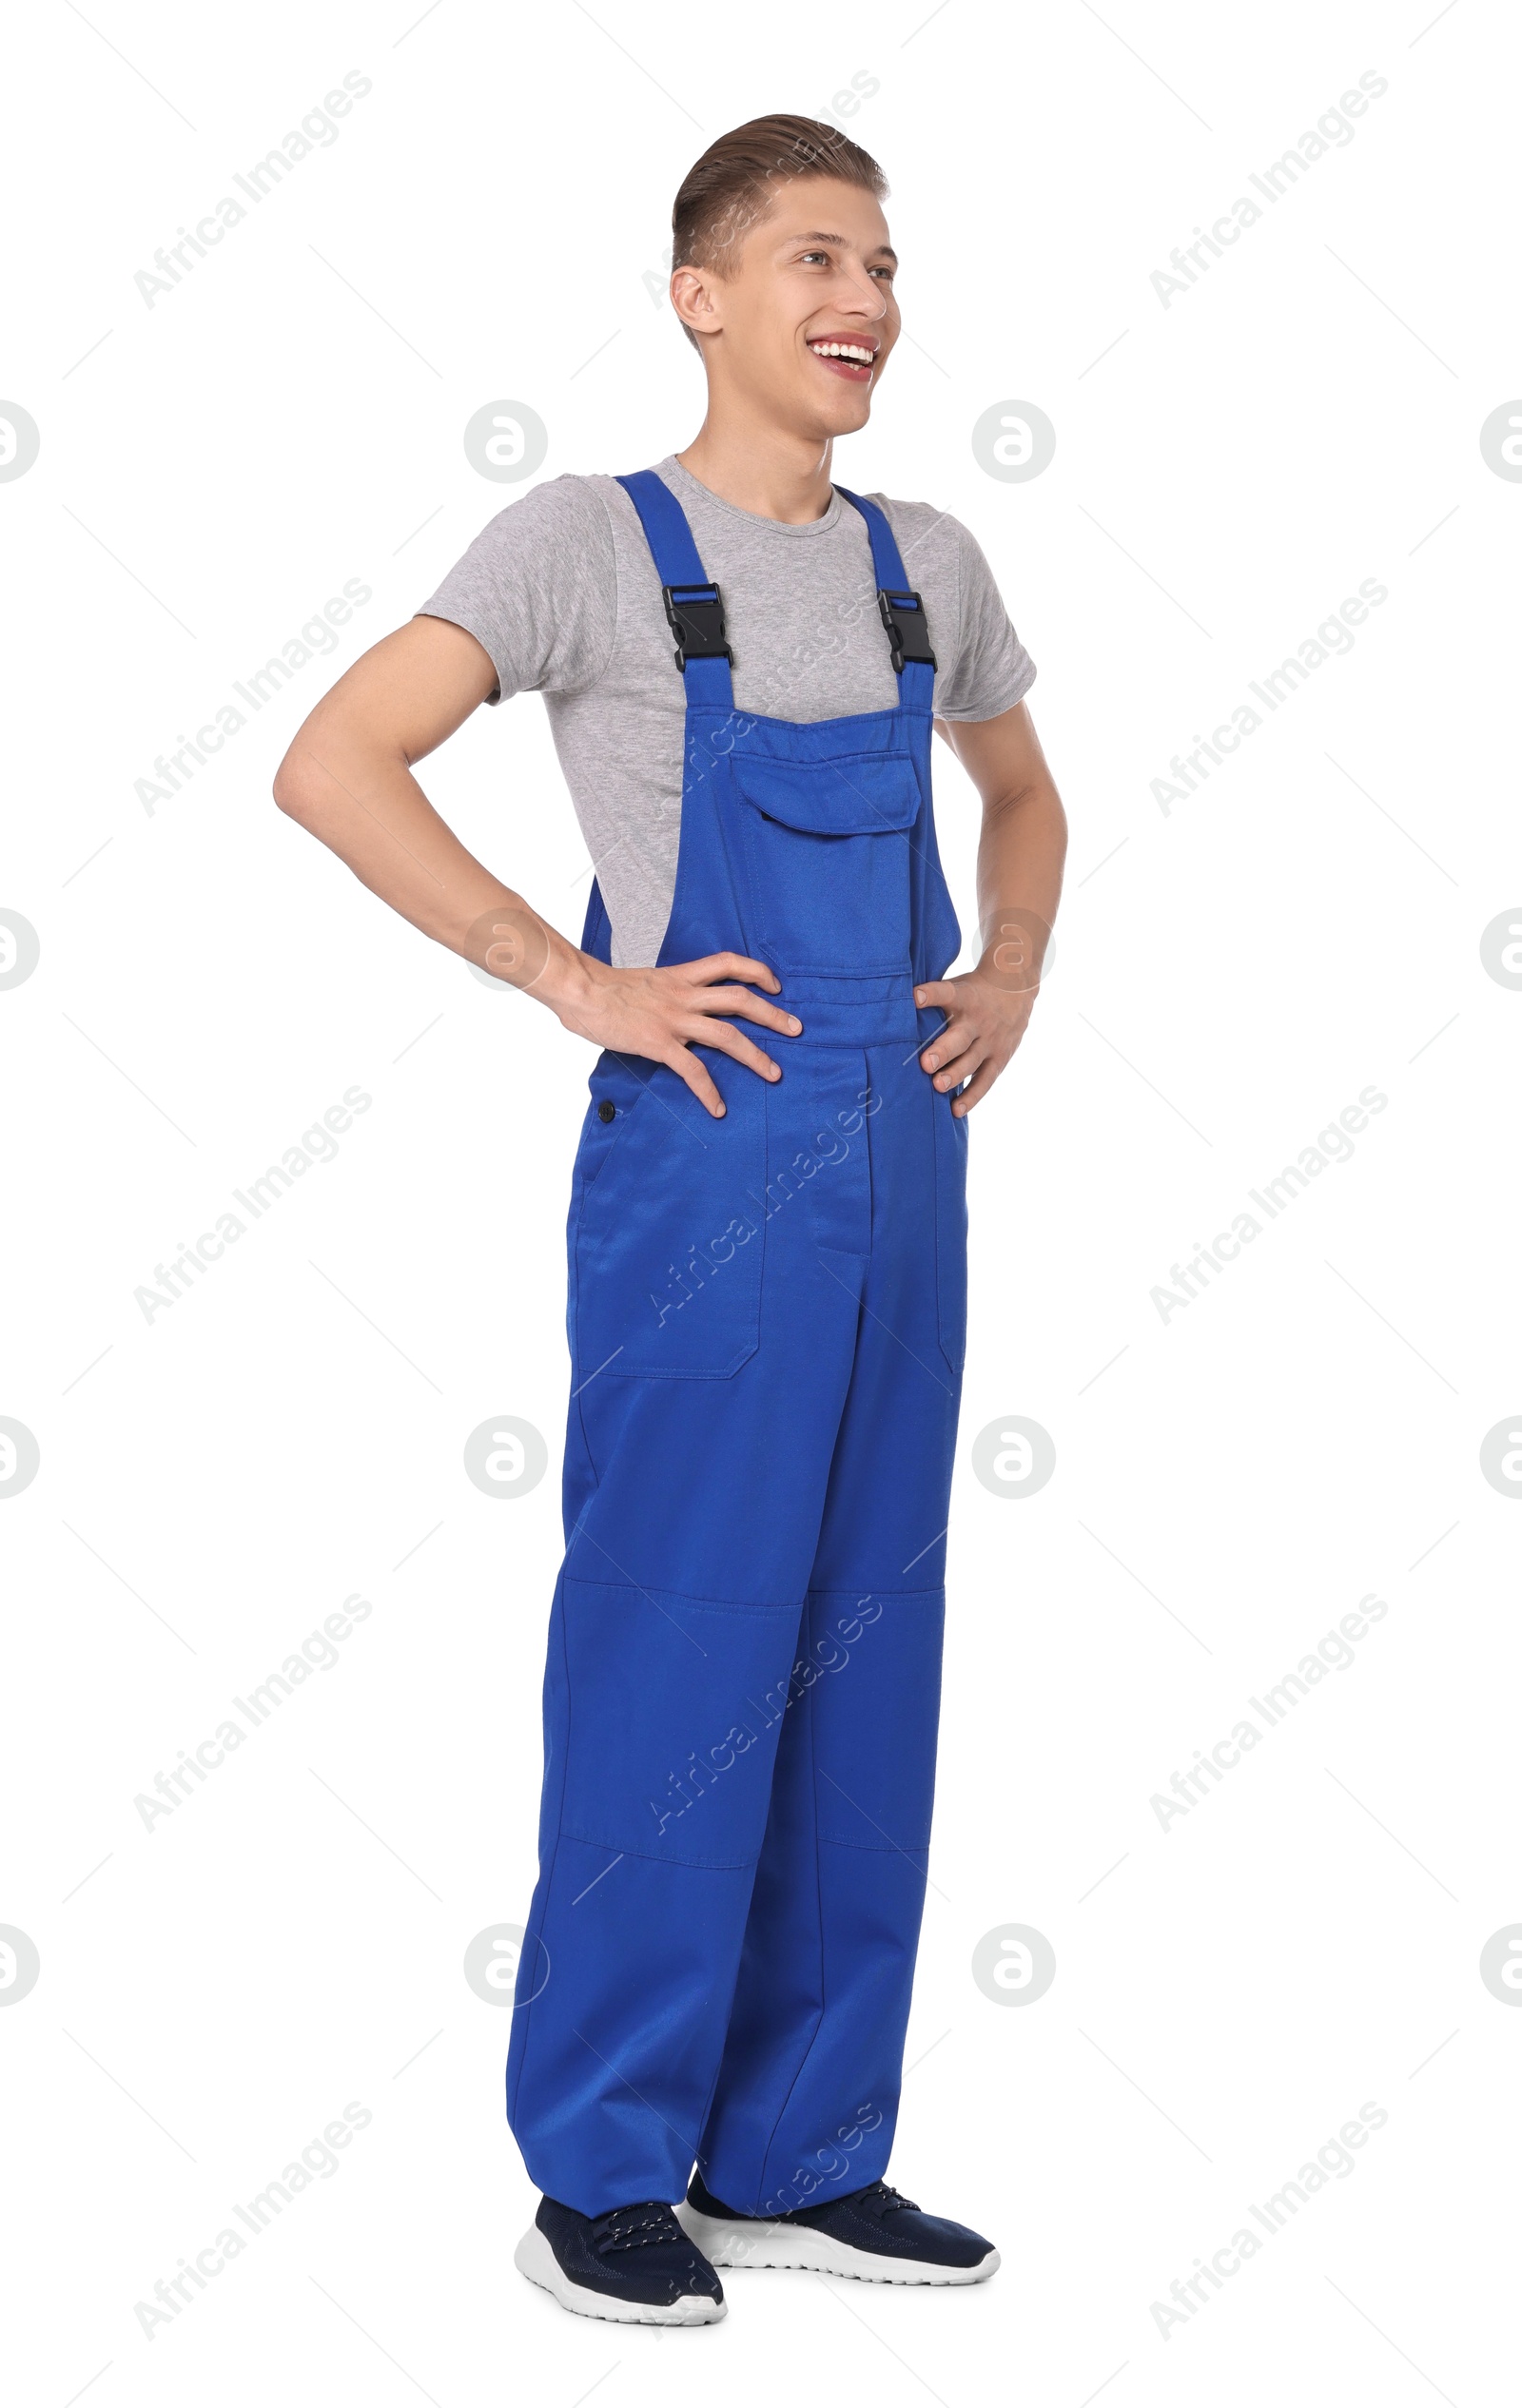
x,y
767,1318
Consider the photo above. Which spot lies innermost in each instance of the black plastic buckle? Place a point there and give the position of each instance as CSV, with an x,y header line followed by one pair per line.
x,y
695,616
903,614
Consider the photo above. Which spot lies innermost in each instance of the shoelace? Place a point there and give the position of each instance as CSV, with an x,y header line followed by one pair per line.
x,y
635,2228
882,2198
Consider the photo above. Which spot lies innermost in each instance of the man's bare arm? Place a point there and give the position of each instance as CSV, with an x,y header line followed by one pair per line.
x,y
347,779
1020,878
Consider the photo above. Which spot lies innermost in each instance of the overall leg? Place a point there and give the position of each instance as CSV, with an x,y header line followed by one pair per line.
x,y
808,2095
673,1636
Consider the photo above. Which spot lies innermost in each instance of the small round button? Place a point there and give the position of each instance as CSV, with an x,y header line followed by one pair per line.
x,y
606,1110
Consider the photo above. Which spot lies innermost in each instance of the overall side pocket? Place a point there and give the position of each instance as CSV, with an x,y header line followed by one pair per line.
x,y
669,1239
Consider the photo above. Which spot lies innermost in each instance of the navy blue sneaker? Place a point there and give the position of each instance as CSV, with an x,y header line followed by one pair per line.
x,y
633,2266
875,2233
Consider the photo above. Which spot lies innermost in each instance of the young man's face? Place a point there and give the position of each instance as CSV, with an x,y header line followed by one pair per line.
x,y
815,270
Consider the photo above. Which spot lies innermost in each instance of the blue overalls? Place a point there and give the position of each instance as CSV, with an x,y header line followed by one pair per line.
x,y
767,1318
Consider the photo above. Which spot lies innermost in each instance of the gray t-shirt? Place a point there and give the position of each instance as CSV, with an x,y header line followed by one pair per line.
x,y
561,591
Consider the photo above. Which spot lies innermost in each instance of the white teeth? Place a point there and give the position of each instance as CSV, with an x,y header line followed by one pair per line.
x,y
856,352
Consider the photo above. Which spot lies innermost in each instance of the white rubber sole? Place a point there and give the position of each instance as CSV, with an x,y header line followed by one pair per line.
x,y
795,2248
535,2258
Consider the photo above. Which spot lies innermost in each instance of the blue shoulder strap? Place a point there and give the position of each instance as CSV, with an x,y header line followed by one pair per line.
x,y
666,529
694,609
902,609
888,568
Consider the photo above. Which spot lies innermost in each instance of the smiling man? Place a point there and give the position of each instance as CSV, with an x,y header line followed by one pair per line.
x,y
743,663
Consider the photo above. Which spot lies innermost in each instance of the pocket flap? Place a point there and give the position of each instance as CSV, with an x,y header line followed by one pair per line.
x,y
864,794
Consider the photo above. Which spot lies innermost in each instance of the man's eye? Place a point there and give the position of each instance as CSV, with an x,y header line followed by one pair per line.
x,y
816,255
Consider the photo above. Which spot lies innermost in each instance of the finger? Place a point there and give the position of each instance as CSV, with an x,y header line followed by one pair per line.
x,y
936,995
959,1069
976,1090
736,966
729,1040
952,1038
690,1069
747,1007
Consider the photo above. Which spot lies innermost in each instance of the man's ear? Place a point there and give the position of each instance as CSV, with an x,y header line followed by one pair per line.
x,y
696,297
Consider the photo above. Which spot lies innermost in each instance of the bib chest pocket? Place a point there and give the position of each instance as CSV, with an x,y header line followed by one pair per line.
x,y
828,852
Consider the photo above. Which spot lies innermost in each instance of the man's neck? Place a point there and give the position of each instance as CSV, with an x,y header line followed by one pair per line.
x,y
762,468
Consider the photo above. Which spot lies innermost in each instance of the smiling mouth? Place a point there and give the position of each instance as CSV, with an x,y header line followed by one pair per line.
x,y
853,361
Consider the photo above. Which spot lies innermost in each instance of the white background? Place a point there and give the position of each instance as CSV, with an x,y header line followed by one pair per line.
x,y
1229,1481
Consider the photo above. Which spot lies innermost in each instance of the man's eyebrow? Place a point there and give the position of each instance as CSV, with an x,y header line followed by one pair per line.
x,y
880,250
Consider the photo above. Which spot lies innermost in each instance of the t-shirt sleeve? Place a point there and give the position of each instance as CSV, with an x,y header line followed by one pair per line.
x,y
538,589
991,670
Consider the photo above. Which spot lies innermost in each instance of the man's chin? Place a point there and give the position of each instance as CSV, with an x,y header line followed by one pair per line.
x,y
848,416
